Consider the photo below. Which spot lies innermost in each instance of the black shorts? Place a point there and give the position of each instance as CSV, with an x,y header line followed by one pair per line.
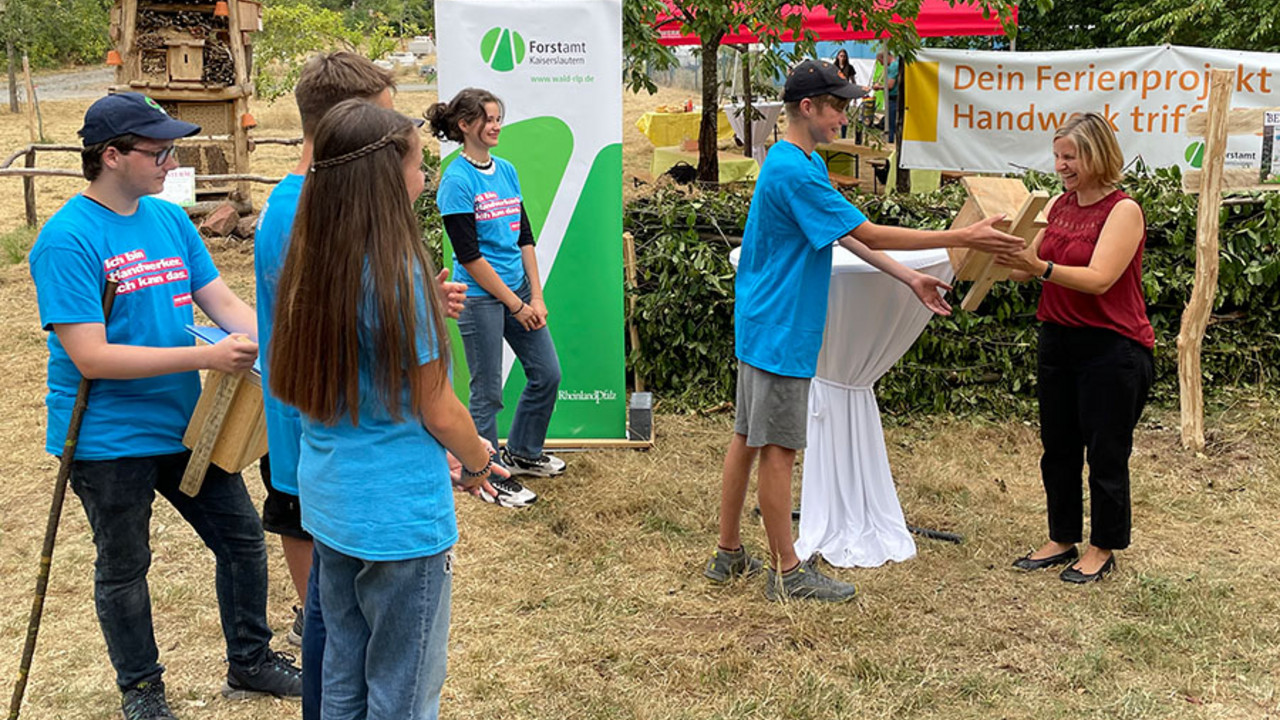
x,y
281,512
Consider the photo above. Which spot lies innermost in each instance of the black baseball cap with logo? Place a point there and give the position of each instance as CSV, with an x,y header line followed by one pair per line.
x,y
818,77
131,113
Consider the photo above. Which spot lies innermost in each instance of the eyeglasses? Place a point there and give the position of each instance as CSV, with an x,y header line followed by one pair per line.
x,y
161,156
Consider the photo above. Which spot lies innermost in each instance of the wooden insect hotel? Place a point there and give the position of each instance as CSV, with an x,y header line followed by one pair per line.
x,y
194,58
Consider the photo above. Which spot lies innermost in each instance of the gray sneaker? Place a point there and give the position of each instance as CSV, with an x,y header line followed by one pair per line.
x,y
724,565
295,632
145,701
807,582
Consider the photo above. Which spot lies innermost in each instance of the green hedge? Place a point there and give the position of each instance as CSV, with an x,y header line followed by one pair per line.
x,y
970,362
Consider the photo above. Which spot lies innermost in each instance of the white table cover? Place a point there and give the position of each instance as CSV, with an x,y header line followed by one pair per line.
x,y
849,509
761,128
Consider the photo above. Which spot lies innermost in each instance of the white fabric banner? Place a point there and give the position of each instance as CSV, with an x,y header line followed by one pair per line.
x,y
997,111
557,67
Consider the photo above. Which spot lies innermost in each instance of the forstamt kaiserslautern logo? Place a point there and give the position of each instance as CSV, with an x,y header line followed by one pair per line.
x,y
502,49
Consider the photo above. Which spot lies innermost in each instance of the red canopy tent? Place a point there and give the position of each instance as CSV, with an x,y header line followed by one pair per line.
x,y
937,18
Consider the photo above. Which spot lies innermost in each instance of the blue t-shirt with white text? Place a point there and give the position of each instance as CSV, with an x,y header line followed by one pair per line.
x,y
160,260
270,245
784,269
379,490
494,199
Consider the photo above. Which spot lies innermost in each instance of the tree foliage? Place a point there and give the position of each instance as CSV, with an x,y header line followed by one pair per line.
x,y
712,20
1234,24
55,32
294,29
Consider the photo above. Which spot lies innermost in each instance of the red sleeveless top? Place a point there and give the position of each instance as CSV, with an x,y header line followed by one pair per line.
x,y
1070,239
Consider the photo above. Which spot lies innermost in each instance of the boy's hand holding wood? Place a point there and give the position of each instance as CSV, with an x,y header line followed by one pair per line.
x,y
233,354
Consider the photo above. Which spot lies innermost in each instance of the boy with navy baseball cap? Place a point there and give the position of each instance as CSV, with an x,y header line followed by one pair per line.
x,y
780,311
146,383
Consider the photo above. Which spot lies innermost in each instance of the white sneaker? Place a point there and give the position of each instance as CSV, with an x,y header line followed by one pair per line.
x,y
544,466
511,494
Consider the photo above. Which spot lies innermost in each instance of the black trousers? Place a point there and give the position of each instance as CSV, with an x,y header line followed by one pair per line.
x,y
1093,385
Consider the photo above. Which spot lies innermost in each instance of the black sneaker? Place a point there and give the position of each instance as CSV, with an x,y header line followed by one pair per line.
x,y
542,466
295,633
511,494
276,674
145,701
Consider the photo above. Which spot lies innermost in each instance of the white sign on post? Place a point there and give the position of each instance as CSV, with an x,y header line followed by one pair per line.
x,y
179,187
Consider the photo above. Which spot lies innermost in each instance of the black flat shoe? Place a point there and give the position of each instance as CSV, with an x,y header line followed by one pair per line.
x,y
1027,563
1073,575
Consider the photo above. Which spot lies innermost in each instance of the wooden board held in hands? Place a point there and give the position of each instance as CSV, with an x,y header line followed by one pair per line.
x,y
989,197
228,427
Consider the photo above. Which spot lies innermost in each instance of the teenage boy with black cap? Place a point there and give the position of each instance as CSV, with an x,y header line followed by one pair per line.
x,y
780,313
146,384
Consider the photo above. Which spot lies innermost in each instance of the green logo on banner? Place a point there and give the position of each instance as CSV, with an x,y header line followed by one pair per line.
x,y
1195,154
502,49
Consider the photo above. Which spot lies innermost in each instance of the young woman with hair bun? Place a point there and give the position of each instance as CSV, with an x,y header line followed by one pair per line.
x,y
493,253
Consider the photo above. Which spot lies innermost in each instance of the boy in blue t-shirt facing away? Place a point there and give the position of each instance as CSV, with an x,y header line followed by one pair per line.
x,y
780,312
144,368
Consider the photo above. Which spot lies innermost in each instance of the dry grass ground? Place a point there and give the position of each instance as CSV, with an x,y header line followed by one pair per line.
x,y
591,604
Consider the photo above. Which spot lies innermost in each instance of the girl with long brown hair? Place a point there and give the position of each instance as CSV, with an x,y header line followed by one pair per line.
x,y
360,349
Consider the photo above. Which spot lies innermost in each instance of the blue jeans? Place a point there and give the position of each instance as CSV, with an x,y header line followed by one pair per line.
x,y
117,496
313,639
387,638
484,323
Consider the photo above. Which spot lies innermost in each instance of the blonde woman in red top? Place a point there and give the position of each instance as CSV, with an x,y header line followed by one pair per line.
x,y
1095,357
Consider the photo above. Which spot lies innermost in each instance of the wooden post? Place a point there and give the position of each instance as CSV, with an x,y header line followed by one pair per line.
x,y
131,63
1195,318
29,190
31,99
239,133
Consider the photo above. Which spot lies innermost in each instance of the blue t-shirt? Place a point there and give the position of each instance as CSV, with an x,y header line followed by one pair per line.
x,y
160,261
270,245
495,201
784,270
379,490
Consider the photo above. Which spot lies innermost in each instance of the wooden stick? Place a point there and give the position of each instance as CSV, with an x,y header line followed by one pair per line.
x,y
29,191
1195,318
629,264
31,98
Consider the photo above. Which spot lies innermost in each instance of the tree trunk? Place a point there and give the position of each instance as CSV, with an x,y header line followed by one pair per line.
x,y
708,131
13,78
747,119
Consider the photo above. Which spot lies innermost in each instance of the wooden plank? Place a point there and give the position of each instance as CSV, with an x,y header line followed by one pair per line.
x,y
968,215
988,196
206,425
1195,318
1024,226
227,428
597,444
130,67
163,93
1240,121
1232,179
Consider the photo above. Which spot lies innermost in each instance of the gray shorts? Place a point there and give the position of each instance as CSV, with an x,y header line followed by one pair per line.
x,y
772,409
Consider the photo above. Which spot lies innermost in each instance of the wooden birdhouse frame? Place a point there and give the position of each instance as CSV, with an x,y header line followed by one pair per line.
x,y
186,85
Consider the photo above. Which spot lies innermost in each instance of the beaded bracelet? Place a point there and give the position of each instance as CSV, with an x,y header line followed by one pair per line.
x,y
478,473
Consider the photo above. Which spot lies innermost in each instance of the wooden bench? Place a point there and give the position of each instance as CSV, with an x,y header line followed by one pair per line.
x,y
842,182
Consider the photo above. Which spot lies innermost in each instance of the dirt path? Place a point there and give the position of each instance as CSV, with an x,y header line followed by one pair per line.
x,y
71,84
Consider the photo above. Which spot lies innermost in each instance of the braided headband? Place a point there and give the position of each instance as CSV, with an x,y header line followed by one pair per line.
x,y
356,154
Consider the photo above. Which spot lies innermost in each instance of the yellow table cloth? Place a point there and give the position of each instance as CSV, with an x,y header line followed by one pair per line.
x,y
733,168
666,129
